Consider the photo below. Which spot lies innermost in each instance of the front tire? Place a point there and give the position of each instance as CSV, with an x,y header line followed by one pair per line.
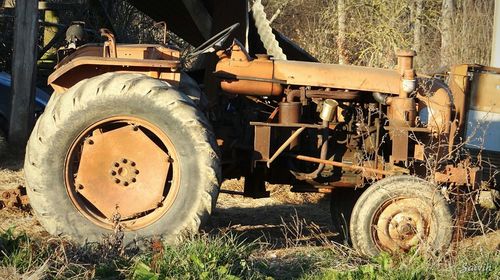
x,y
122,148
399,213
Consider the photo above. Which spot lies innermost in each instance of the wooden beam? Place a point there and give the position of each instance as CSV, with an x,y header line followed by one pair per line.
x,y
23,72
50,32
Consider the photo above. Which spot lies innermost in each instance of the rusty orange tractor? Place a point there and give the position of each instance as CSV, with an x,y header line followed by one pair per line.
x,y
130,138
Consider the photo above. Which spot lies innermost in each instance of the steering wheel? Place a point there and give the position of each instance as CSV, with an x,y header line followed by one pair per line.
x,y
214,43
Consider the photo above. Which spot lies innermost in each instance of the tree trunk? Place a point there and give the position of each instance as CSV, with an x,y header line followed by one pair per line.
x,y
495,44
341,39
447,14
417,32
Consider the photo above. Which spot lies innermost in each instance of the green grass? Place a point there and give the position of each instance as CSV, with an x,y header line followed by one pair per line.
x,y
465,265
202,257
199,257
226,256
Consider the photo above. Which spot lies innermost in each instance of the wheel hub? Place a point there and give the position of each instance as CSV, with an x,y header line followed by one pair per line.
x,y
122,171
402,224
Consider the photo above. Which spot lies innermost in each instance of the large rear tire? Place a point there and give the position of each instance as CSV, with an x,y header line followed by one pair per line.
x,y
399,213
122,149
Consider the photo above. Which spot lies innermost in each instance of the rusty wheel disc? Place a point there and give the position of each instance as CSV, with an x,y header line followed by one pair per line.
x,y
402,223
122,169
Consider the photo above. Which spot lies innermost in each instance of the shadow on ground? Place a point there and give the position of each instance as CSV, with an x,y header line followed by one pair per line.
x,y
285,219
10,159
278,225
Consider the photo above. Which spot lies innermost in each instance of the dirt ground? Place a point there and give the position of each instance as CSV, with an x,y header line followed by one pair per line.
x,y
283,220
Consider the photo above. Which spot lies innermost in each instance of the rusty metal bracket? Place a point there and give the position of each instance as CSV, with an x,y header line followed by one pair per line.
x,y
110,45
262,143
459,175
165,30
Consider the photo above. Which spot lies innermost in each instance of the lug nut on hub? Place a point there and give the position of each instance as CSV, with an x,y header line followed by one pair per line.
x,y
124,172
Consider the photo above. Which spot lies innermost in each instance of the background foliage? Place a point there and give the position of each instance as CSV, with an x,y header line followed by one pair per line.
x,y
376,28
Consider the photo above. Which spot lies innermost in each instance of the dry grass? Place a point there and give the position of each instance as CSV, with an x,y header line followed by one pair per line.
x,y
10,179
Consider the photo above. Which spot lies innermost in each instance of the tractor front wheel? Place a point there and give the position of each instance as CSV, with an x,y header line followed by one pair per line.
x,y
400,213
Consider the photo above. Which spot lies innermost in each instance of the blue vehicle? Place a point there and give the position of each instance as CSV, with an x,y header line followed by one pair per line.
x,y
41,99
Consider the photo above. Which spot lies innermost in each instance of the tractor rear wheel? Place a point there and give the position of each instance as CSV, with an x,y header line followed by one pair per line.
x,y
399,213
122,150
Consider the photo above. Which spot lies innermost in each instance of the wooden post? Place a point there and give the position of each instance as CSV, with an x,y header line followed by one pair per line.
x,y
23,72
49,32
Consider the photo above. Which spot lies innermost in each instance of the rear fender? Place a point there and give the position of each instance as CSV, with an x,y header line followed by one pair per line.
x,y
88,61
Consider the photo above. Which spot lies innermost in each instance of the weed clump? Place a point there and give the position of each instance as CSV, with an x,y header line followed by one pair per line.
x,y
198,257
201,257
